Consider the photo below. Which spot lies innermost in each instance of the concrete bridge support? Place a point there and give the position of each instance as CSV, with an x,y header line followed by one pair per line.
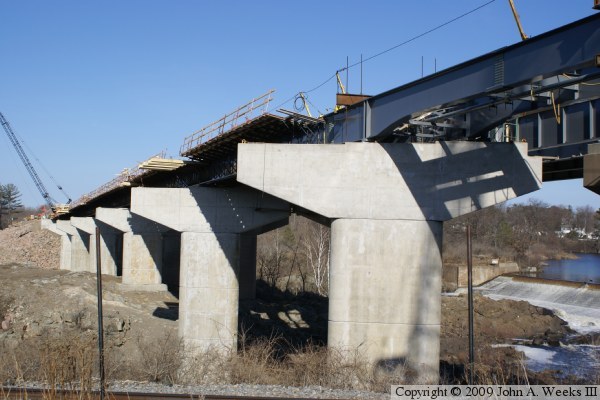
x,y
218,239
108,243
387,203
82,257
142,248
65,243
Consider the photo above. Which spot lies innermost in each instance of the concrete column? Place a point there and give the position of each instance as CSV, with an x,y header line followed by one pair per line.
x,y
385,292
65,243
81,259
109,254
107,244
142,252
387,203
218,237
209,290
142,261
247,273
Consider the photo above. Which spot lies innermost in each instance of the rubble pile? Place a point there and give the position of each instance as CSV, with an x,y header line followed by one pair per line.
x,y
27,244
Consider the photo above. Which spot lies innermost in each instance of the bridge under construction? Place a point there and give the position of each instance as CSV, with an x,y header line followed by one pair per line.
x,y
383,172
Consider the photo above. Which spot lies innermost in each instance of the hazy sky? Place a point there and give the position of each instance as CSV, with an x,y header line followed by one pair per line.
x,y
95,87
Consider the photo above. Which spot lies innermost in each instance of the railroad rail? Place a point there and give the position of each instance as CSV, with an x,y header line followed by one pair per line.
x,y
49,394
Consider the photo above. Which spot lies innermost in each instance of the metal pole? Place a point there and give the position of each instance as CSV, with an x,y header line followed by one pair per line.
x,y
347,73
100,316
470,300
361,74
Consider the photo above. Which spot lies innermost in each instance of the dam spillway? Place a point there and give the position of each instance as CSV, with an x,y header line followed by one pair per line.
x,y
576,303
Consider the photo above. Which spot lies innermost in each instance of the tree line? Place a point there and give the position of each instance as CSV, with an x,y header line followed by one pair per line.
x,y
295,258
526,233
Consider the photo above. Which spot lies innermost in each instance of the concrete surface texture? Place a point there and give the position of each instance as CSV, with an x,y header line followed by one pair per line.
x,y
384,293
387,202
108,243
218,238
424,181
82,259
142,244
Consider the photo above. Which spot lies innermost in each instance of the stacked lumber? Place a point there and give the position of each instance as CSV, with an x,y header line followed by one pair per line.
x,y
161,164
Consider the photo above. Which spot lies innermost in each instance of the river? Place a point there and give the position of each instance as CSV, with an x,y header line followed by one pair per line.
x,y
586,268
578,305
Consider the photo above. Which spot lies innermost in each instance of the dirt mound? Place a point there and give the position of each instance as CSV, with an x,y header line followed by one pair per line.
x,y
26,243
496,322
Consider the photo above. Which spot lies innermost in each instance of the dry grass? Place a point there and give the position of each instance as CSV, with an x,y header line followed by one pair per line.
x,y
70,362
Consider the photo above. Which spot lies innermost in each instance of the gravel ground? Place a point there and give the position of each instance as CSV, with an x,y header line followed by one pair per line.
x,y
25,243
274,391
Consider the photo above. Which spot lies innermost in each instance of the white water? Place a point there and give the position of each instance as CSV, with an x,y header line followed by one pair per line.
x,y
579,307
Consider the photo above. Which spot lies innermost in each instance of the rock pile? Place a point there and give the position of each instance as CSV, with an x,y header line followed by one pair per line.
x,y
26,243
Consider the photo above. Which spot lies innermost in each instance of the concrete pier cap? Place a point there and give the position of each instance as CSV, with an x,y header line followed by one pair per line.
x,y
387,203
218,252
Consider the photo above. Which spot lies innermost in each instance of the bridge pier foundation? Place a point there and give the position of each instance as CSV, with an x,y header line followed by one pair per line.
x,y
387,203
218,250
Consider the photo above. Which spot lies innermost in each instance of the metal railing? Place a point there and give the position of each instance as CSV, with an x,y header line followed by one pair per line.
x,y
127,175
248,111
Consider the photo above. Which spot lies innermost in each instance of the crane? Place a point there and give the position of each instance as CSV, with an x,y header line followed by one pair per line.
x,y
54,206
517,20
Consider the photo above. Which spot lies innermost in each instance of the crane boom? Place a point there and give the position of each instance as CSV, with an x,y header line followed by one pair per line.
x,y
36,179
517,20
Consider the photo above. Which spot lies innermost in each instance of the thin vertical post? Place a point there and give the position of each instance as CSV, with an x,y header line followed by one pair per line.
x,y
470,300
361,79
347,73
100,315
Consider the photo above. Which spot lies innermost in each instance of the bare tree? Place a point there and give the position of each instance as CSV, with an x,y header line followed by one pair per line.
x,y
585,219
316,247
270,259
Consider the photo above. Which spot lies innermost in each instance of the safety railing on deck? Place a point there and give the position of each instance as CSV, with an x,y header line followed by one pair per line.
x,y
248,111
126,176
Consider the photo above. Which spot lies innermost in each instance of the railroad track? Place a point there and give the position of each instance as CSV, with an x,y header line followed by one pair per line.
x,y
48,394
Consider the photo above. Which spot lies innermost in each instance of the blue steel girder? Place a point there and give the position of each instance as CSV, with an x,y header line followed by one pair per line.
x,y
470,99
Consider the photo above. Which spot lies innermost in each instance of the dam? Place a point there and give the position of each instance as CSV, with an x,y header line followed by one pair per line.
x,y
576,303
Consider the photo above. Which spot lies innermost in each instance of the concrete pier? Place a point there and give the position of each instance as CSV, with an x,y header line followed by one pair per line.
x,y
82,259
108,243
387,203
142,248
218,238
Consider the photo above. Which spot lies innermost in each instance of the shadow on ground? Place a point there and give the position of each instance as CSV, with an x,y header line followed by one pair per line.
x,y
295,320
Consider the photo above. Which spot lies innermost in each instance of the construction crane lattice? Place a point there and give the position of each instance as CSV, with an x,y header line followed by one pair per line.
x,y
30,169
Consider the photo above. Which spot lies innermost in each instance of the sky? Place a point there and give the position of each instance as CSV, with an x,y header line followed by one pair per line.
x,y
95,87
